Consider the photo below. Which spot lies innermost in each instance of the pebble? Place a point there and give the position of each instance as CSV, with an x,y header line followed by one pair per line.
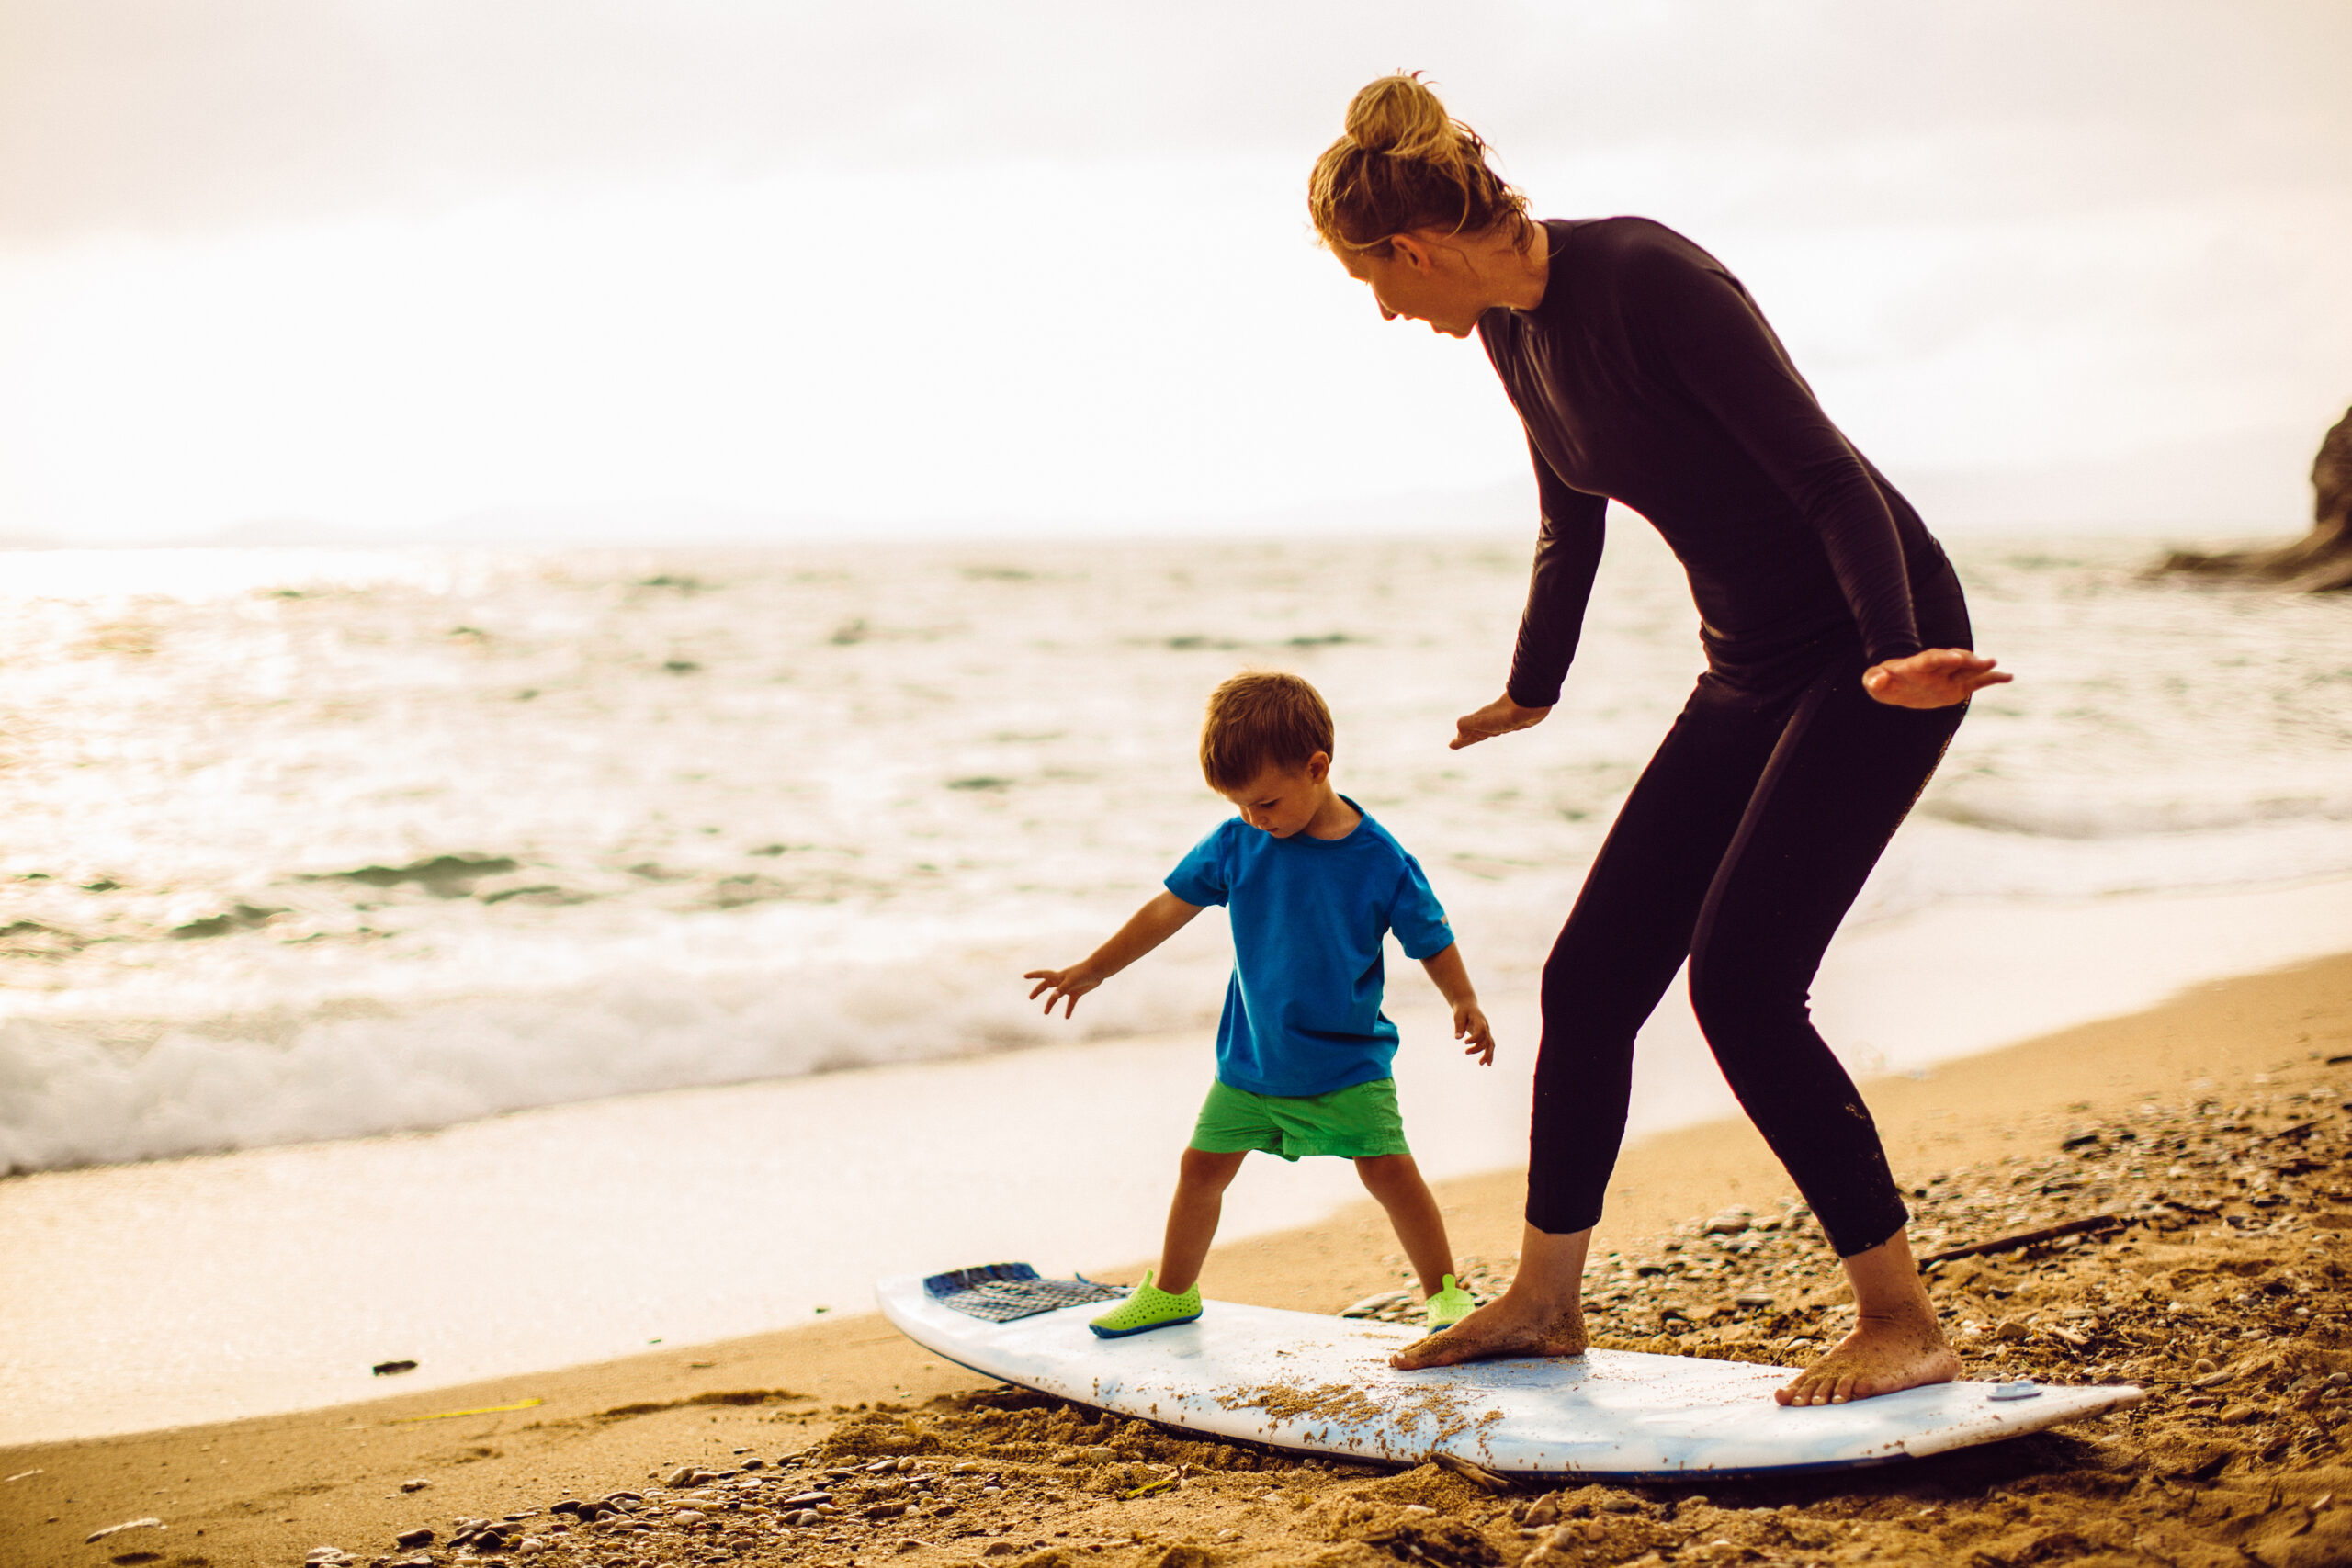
x,y
409,1540
808,1500
126,1525
419,1484
327,1556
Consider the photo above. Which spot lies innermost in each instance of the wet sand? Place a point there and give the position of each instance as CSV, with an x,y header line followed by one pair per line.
x,y
2212,1127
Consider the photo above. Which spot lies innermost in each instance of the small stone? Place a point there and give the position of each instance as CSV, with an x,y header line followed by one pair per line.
x,y
409,1540
687,1517
1753,1299
682,1476
999,1549
808,1500
126,1525
2238,1415
885,1510
419,1484
1618,1503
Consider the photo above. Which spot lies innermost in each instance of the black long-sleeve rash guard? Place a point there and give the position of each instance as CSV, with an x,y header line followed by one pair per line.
x,y
1648,376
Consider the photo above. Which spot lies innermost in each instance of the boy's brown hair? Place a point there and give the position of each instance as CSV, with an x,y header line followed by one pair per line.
x,y
1261,718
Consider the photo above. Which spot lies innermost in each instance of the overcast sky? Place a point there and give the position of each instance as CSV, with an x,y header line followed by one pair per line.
x,y
598,270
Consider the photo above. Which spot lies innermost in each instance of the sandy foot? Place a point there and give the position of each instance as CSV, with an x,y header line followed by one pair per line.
x,y
1880,1355
1500,1330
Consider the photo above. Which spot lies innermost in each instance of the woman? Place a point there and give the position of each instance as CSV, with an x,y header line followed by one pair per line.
x,y
1838,664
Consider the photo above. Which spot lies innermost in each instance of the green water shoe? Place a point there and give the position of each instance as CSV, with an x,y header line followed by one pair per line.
x,y
1149,1308
1449,1306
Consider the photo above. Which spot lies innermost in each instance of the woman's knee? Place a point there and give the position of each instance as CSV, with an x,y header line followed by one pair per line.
x,y
1742,1005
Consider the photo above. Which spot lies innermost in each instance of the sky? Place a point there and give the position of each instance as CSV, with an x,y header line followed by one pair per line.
x,y
558,269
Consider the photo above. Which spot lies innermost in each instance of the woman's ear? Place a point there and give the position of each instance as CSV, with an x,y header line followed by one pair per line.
x,y
1412,253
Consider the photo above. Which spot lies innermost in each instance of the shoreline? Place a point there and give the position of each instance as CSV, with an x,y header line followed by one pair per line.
x,y
574,1234
272,1487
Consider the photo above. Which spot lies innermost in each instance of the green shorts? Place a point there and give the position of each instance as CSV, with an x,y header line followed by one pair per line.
x,y
1359,1122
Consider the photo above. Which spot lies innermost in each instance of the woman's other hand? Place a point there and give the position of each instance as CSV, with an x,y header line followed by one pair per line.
x,y
1498,718
1935,679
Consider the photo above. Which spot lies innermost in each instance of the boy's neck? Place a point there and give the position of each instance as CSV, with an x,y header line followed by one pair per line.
x,y
1333,819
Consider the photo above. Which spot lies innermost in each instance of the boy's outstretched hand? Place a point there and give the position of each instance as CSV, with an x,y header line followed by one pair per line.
x,y
1470,1025
1071,984
1145,929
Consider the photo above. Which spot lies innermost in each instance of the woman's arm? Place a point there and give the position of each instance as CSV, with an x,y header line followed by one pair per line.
x,y
1567,555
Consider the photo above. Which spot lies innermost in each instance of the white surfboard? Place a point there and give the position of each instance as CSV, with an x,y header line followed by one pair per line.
x,y
1323,1386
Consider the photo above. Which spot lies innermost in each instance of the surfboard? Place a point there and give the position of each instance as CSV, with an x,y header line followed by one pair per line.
x,y
1311,1384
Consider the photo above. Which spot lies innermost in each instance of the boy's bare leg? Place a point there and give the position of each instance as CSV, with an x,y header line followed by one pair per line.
x,y
1540,1314
1896,1342
1201,1181
1395,1182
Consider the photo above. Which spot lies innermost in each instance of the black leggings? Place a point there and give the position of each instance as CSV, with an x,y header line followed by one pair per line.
x,y
1742,847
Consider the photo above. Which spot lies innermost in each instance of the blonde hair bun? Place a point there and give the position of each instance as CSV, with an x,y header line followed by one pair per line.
x,y
1403,164
1400,116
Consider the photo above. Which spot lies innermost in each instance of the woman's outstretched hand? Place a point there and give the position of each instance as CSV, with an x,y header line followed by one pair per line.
x,y
1498,718
1935,679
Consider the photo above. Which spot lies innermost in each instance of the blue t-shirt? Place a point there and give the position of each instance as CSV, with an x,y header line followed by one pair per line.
x,y
1303,1013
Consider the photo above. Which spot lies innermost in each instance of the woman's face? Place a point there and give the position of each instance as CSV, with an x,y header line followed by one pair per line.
x,y
1421,283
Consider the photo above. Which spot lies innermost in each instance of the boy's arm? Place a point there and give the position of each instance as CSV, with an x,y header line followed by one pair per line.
x,y
1453,981
1151,925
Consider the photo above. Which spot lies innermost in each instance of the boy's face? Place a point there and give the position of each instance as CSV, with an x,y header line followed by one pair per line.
x,y
1281,801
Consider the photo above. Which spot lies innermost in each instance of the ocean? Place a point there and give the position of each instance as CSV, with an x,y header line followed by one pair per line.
x,y
312,844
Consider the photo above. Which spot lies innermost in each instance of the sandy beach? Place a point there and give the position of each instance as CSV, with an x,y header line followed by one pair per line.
x,y
2212,1127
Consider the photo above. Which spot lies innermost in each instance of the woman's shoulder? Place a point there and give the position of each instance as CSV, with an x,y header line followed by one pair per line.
x,y
1625,251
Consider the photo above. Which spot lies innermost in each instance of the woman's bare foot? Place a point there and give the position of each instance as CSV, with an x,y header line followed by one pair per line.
x,y
1498,1331
1879,1357
1896,1342
1540,1314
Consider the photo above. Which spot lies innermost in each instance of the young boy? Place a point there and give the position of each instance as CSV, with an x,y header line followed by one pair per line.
x,y
1303,1052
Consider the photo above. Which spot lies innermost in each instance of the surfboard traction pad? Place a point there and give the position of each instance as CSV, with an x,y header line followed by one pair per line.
x,y
1006,1292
